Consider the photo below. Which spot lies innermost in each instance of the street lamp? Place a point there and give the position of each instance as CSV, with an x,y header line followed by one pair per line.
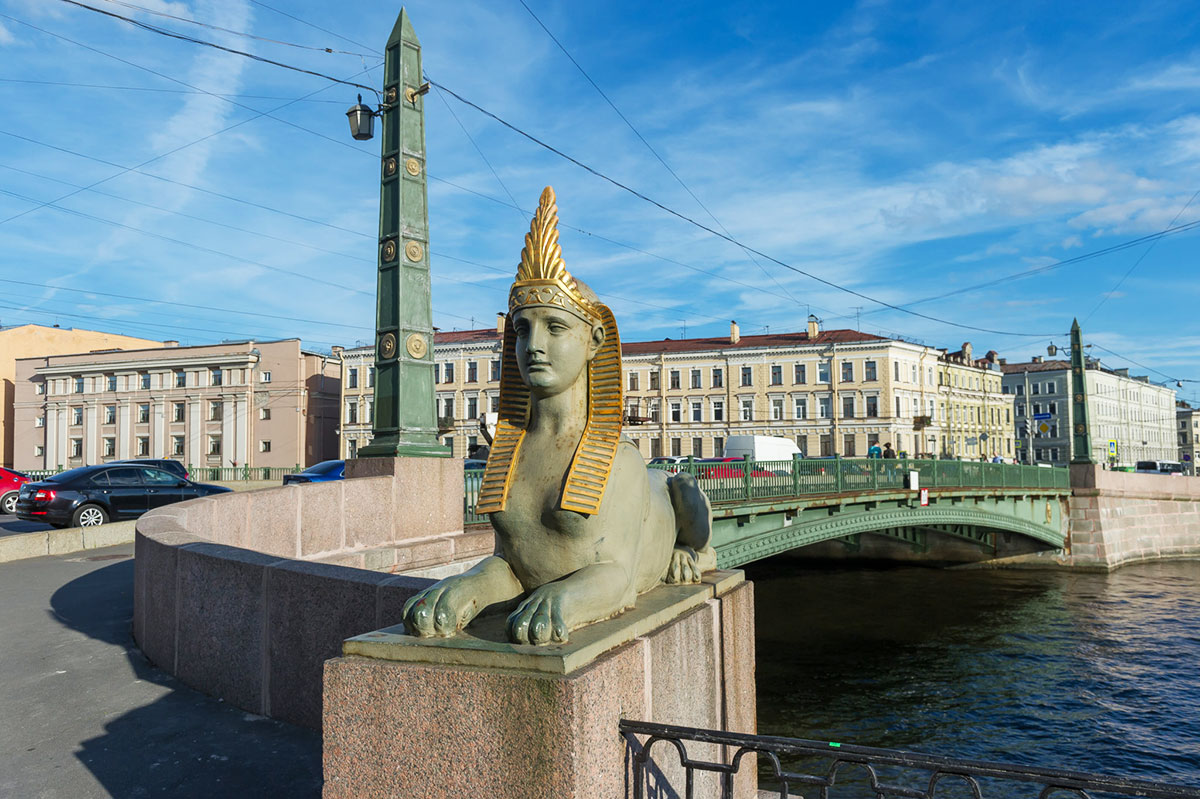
x,y
362,121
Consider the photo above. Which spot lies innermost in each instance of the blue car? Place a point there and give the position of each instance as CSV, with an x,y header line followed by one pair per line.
x,y
320,473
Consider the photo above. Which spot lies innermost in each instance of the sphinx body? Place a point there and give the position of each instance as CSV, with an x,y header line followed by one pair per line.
x,y
582,526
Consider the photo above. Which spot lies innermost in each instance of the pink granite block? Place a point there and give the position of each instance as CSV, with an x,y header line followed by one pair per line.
x,y
312,608
428,497
273,521
473,545
222,622
424,553
495,734
368,511
227,524
322,527
380,559
155,561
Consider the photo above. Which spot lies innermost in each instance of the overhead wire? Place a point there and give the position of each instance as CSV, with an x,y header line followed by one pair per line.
x,y
159,89
316,27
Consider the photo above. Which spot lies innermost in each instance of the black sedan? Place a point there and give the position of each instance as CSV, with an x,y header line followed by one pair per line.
x,y
92,495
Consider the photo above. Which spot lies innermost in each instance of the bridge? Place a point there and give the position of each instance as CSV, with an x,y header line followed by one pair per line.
x,y
968,510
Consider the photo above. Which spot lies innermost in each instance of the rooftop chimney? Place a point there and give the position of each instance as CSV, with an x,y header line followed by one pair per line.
x,y
337,351
966,351
499,323
1003,361
171,343
735,335
814,327
1036,359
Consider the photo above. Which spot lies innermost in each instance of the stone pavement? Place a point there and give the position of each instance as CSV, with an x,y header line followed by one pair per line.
x,y
85,715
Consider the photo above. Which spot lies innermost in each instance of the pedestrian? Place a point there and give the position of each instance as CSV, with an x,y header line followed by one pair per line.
x,y
874,451
888,452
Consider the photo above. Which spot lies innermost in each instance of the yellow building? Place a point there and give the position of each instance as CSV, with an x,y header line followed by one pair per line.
x,y
834,392
31,341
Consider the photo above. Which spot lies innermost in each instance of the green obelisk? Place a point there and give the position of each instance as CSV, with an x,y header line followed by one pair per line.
x,y
405,414
1081,440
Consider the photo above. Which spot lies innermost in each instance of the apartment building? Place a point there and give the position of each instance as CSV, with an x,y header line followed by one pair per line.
x,y
835,392
250,403
27,341
1129,418
1187,425
358,399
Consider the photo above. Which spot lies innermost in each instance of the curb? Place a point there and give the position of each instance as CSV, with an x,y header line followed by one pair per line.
x,y
64,542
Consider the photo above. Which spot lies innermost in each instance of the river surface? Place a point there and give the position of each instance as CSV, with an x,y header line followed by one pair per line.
x,y
1091,672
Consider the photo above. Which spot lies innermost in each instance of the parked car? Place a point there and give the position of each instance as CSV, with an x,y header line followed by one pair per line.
x,y
92,495
472,464
725,468
10,484
319,473
172,466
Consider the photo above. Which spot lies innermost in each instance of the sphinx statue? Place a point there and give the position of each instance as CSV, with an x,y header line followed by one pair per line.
x,y
582,526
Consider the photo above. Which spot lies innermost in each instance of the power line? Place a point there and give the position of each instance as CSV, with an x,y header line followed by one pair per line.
x,y
153,89
718,234
185,38
653,152
368,48
233,32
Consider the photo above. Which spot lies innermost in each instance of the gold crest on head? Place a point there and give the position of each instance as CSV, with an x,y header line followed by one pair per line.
x,y
542,278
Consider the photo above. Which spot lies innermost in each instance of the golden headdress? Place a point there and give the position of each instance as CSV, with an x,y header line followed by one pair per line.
x,y
543,279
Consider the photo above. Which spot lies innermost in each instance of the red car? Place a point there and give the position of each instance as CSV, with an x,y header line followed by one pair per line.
x,y
725,468
10,483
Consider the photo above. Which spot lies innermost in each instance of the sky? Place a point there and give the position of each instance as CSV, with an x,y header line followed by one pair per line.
x,y
918,169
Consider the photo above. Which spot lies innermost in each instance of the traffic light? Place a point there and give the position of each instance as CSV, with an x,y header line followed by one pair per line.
x,y
1026,427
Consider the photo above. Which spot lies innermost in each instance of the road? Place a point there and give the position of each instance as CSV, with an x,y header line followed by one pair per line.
x,y
86,715
11,525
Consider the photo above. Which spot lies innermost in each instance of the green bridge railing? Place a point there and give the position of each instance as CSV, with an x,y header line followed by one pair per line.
x,y
747,480
207,474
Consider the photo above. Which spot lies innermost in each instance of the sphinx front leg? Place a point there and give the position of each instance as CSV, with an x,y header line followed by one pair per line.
x,y
448,605
551,611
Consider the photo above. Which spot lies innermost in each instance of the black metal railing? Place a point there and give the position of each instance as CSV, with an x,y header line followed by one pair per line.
x,y
879,772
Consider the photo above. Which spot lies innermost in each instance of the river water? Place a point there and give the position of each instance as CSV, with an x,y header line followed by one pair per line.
x,y
1091,672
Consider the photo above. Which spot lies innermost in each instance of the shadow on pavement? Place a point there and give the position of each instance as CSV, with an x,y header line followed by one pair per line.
x,y
180,743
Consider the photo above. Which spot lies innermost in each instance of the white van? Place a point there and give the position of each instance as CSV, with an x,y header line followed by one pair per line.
x,y
1158,467
761,448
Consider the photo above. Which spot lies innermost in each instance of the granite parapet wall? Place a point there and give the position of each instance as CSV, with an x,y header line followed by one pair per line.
x,y
244,596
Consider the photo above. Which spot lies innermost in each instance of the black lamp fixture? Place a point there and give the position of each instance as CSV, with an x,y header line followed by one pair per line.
x,y
362,121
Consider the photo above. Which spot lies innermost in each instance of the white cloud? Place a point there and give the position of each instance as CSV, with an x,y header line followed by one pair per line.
x,y
6,36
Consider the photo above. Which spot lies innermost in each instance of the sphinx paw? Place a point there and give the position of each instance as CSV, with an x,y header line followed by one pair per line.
x,y
539,618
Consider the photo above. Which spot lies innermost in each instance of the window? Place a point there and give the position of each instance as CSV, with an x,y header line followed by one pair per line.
x,y
352,378
77,416
144,379
1037,388
494,403
1053,407
697,447
179,411
177,445
847,407
718,444
79,385
654,380
370,411
216,411
40,421
675,412
654,411
180,378
40,388
1020,409
110,414
823,372
633,381
265,445
39,451
110,447
826,446
352,412
111,380
472,407
776,375
747,375
847,372
748,409
673,378
656,448
1050,390
144,413
449,373
801,408
824,407
264,377
472,372
718,410
799,373
697,411
777,409
76,447
848,446
631,408
143,446
696,378
898,411
676,447
448,407
217,376
370,379
437,373
718,377
214,446
914,375
873,407
495,373
896,371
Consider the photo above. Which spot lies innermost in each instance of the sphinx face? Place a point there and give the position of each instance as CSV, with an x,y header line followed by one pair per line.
x,y
553,348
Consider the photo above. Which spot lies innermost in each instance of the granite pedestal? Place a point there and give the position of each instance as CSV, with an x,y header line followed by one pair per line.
x,y
475,715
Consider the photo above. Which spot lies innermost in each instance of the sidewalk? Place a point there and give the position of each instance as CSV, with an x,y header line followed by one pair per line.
x,y
88,716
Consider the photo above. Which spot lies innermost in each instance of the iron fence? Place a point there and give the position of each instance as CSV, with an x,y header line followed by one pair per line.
x,y
211,474
880,773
